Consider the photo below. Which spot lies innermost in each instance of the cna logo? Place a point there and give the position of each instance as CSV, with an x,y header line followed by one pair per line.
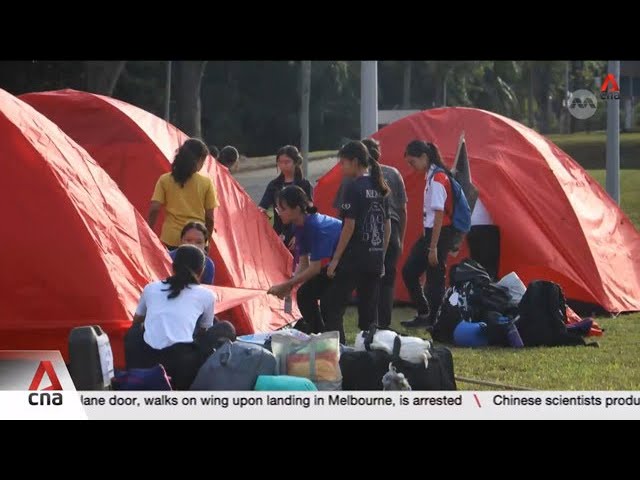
x,y
609,89
582,104
34,370
45,367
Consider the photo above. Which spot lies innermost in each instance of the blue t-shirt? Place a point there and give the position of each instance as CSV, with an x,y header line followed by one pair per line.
x,y
318,237
209,268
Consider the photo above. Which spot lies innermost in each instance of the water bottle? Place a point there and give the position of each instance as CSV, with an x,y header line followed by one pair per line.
x,y
513,337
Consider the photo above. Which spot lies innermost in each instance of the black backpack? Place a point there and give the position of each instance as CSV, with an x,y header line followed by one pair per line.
x,y
543,312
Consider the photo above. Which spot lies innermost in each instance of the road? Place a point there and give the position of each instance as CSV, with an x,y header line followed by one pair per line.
x,y
256,181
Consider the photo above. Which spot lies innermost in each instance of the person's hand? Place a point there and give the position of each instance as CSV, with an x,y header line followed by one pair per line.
x,y
400,247
383,271
282,290
292,244
433,257
331,269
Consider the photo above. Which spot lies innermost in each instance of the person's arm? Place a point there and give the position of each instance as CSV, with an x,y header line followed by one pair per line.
x,y
387,234
208,221
306,270
348,228
154,211
401,203
206,319
438,202
141,309
157,200
210,203
267,199
402,213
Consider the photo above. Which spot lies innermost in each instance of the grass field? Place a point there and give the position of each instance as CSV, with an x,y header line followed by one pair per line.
x,y
613,366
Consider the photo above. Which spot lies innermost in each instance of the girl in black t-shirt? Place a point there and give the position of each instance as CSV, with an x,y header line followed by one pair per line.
x,y
289,162
358,261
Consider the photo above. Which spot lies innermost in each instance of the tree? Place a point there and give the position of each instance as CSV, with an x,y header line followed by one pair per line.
x,y
102,76
187,94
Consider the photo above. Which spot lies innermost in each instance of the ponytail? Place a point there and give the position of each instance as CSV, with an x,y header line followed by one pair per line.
x,y
373,147
188,265
185,163
378,178
298,173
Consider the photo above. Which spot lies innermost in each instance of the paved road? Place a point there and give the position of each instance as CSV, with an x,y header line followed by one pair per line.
x,y
256,181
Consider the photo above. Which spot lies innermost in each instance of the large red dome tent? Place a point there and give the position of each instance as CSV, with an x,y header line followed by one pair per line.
x,y
135,147
556,223
75,251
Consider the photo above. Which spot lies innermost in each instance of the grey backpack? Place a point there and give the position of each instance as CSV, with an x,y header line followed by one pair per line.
x,y
234,366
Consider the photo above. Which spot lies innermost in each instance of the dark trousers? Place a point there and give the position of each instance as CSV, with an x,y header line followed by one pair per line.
x,y
484,246
181,360
418,263
387,283
333,295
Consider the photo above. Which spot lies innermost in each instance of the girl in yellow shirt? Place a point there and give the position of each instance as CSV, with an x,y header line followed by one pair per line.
x,y
186,195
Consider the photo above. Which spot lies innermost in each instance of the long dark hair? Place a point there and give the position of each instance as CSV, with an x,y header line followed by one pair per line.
x,y
228,156
373,146
294,154
188,265
356,150
185,163
416,148
293,196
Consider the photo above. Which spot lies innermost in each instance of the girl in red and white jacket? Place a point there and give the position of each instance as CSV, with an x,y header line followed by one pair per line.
x,y
429,253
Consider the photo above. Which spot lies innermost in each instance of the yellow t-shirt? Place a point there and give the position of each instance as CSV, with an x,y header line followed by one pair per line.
x,y
183,204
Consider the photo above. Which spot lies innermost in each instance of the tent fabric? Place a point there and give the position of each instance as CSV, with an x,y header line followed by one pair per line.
x,y
75,251
556,222
135,147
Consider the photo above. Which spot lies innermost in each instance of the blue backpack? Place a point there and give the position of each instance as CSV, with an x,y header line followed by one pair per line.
x,y
461,210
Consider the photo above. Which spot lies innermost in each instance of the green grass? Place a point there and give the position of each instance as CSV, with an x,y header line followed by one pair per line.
x,y
589,149
613,366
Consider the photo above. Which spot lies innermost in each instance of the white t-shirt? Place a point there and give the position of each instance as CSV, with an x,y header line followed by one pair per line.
x,y
480,215
169,321
435,196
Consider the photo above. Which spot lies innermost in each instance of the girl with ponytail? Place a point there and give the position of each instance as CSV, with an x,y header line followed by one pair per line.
x,y
185,194
429,253
289,163
358,261
173,311
316,238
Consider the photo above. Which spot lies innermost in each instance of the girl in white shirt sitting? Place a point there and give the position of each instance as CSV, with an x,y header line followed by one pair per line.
x,y
174,311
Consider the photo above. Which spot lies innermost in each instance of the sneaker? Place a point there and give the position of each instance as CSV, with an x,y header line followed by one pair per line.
x,y
419,321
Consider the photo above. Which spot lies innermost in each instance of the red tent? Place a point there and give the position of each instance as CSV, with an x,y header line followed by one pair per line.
x,y
135,147
75,251
556,222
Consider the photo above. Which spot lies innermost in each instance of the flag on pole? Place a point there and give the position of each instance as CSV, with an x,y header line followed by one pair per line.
x,y
462,172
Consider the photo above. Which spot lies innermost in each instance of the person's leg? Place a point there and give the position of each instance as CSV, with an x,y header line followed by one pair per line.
x,y
368,287
387,283
484,246
309,293
413,269
334,301
181,362
436,275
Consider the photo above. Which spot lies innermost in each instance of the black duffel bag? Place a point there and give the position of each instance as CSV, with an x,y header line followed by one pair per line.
x,y
364,370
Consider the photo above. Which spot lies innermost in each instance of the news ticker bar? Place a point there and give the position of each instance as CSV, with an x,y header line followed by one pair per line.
x,y
318,405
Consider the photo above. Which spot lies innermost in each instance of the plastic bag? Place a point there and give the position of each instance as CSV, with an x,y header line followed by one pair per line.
x,y
316,358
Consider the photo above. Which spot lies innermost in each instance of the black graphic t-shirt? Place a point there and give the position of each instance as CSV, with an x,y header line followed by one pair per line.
x,y
269,200
365,204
